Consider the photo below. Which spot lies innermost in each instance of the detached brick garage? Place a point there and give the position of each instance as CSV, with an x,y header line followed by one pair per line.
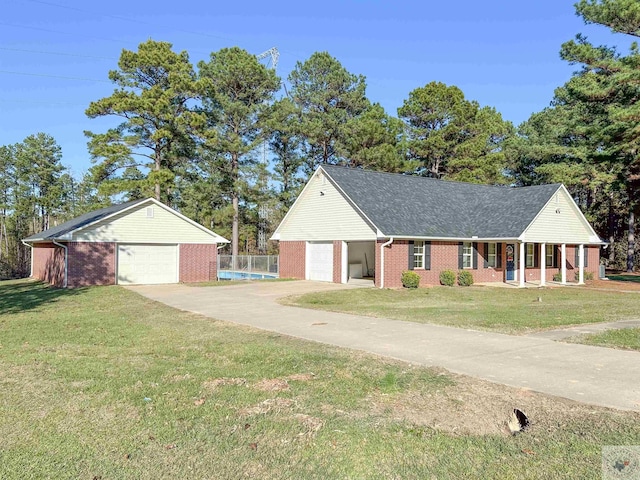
x,y
139,242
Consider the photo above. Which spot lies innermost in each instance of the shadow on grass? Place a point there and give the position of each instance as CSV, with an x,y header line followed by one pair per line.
x,y
18,296
625,278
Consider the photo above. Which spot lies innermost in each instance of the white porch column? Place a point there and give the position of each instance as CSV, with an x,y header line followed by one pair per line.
x,y
521,258
543,264
344,268
563,263
581,264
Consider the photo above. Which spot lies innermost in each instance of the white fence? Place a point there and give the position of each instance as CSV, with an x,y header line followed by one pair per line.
x,y
250,264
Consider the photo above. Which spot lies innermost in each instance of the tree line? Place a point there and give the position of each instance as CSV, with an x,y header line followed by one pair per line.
x,y
229,144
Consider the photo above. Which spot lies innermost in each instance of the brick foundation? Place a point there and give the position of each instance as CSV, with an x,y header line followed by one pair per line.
x,y
198,262
292,259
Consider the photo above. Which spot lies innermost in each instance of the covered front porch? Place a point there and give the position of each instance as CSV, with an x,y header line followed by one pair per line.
x,y
541,264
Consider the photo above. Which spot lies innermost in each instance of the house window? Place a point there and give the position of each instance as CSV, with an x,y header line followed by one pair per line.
x,y
530,255
550,256
490,255
418,255
467,255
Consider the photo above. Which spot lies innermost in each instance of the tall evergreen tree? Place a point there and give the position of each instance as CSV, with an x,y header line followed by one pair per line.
x,y
39,169
235,90
144,153
452,137
373,140
285,143
612,82
327,96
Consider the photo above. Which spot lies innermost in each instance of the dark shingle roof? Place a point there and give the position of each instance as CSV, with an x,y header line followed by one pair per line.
x,y
78,222
402,205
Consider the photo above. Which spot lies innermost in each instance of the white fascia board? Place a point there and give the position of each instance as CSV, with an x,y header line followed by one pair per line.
x,y
454,239
581,215
594,238
521,237
219,239
276,234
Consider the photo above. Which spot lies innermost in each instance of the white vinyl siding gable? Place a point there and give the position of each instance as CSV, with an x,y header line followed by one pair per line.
x,y
138,225
322,213
560,221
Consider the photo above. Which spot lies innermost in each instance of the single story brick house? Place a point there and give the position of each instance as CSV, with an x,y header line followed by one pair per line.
x,y
138,242
351,223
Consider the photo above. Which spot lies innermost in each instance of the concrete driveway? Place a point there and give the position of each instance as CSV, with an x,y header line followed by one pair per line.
x,y
594,375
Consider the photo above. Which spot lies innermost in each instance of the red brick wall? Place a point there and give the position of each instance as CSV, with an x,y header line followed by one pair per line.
x,y
444,256
48,263
198,262
91,263
337,261
533,274
292,260
396,261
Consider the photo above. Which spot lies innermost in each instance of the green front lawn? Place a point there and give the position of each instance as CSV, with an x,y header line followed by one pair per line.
x,y
486,308
626,338
101,383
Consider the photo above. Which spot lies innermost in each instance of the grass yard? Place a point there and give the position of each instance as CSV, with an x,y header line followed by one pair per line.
x,y
485,308
626,338
101,383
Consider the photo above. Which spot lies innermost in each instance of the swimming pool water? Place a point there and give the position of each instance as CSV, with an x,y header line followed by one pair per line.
x,y
228,275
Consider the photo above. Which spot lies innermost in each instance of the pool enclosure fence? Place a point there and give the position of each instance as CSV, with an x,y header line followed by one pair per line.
x,y
250,264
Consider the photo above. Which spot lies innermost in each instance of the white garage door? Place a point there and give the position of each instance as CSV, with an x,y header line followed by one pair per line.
x,y
144,264
320,261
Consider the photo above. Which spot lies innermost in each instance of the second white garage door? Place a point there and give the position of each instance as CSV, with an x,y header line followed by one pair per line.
x,y
145,264
320,261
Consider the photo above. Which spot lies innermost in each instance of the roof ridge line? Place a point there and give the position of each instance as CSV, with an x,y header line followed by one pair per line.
x,y
419,177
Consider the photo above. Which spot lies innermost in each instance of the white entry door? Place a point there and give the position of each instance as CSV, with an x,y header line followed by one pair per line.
x,y
146,264
320,261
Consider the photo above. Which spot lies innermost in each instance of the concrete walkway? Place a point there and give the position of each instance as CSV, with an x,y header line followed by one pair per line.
x,y
594,375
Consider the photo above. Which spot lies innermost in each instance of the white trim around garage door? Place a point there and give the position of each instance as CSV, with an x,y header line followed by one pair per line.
x,y
319,261
146,271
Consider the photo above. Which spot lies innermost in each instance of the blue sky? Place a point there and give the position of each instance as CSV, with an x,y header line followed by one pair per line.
x,y
502,53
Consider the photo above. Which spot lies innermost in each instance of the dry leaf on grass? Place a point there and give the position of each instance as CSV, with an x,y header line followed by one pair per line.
x,y
301,377
275,404
272,385
222,382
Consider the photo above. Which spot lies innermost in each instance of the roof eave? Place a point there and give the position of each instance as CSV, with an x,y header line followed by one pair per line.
x,y
451,239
